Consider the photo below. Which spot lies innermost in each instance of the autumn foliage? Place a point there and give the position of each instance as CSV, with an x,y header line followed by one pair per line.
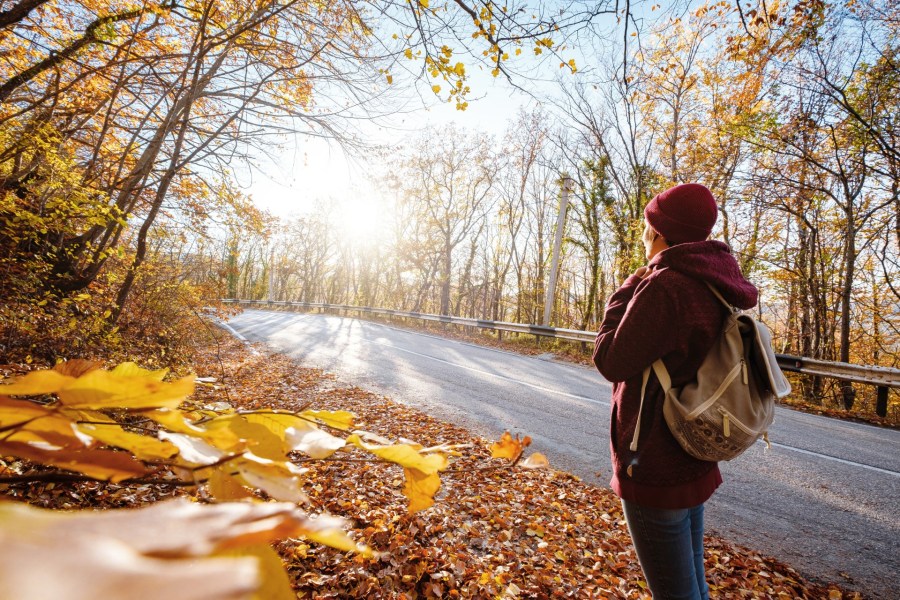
x,y
124,127
129,425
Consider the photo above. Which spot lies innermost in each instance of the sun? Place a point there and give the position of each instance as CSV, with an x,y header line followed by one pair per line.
x,y
360,220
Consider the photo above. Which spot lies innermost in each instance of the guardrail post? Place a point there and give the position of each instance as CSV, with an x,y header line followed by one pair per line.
x,y
881,401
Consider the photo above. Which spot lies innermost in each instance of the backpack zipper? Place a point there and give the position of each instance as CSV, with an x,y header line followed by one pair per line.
x,y
728,419
735,371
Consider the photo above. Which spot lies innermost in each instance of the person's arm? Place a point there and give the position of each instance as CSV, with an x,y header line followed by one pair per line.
x,y
639,327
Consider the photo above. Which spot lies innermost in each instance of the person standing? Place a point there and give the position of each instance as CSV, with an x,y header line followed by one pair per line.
x,y
665,310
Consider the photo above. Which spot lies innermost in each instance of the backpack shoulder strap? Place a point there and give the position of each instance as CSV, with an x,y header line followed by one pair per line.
x,y
731,308
663,375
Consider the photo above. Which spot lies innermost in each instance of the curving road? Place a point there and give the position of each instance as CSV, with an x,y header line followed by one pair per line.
x,y
823,499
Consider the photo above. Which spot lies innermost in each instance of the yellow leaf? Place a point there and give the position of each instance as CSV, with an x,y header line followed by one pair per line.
x,y
313,442
403,455
53,431
260,439
460,69
339,419
161,551
424,3
37,382
278,479
192,450
275,583
436,89
77,367
276,422
102,389
143,447
127,386
296,433
35,564
13,412
216,433
420,489
174,420
222,486
330,531
129,369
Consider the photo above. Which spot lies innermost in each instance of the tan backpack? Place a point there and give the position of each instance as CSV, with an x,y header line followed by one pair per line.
x,y
731,403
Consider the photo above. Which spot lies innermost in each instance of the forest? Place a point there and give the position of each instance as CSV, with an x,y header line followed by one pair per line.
x,y
118,152
120,143
127,128
788,116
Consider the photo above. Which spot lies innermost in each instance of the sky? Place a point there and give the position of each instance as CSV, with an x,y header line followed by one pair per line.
x,y
311,171
307,169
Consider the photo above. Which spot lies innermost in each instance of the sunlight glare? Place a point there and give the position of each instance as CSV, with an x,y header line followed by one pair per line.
x,y
360,219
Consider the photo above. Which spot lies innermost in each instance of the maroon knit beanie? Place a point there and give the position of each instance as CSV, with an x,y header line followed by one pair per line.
x,y
684,213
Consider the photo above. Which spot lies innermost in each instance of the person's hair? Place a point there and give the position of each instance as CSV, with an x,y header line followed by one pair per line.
x,y
658,234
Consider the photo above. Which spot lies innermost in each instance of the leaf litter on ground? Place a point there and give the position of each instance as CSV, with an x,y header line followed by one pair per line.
x,y
495,530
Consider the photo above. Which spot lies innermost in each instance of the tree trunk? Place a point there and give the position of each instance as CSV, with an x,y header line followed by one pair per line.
x,y
848,393
446,265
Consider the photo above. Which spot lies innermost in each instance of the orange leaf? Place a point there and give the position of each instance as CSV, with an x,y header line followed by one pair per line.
x,y
420,488
15,412
509,447
99,464
77,367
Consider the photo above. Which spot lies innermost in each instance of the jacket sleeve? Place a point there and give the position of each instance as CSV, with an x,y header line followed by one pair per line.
x,y
640,325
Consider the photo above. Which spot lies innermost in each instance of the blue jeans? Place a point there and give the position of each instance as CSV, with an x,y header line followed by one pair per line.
x,y
669,545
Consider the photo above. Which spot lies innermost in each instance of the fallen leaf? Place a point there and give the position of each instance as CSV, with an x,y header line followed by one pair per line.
x,y
535,461
509,447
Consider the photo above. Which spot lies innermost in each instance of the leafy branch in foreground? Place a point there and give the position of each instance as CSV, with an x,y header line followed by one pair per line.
x,y
127,425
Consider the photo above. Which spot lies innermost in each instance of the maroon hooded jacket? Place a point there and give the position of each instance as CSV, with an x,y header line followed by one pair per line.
x,y
670,314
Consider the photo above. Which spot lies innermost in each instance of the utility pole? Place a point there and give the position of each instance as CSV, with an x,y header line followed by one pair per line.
x,y
271,271
557,244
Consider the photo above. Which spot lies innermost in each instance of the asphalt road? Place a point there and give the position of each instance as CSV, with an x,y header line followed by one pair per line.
x,y
823,499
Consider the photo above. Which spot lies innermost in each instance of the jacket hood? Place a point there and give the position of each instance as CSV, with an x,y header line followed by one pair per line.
x,y
710,261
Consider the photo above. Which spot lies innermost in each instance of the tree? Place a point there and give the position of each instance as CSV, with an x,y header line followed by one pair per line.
x,y
144,106
593,198
449,179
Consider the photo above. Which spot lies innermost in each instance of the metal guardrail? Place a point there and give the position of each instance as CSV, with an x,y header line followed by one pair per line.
x,y
572,335
880,377
877,376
